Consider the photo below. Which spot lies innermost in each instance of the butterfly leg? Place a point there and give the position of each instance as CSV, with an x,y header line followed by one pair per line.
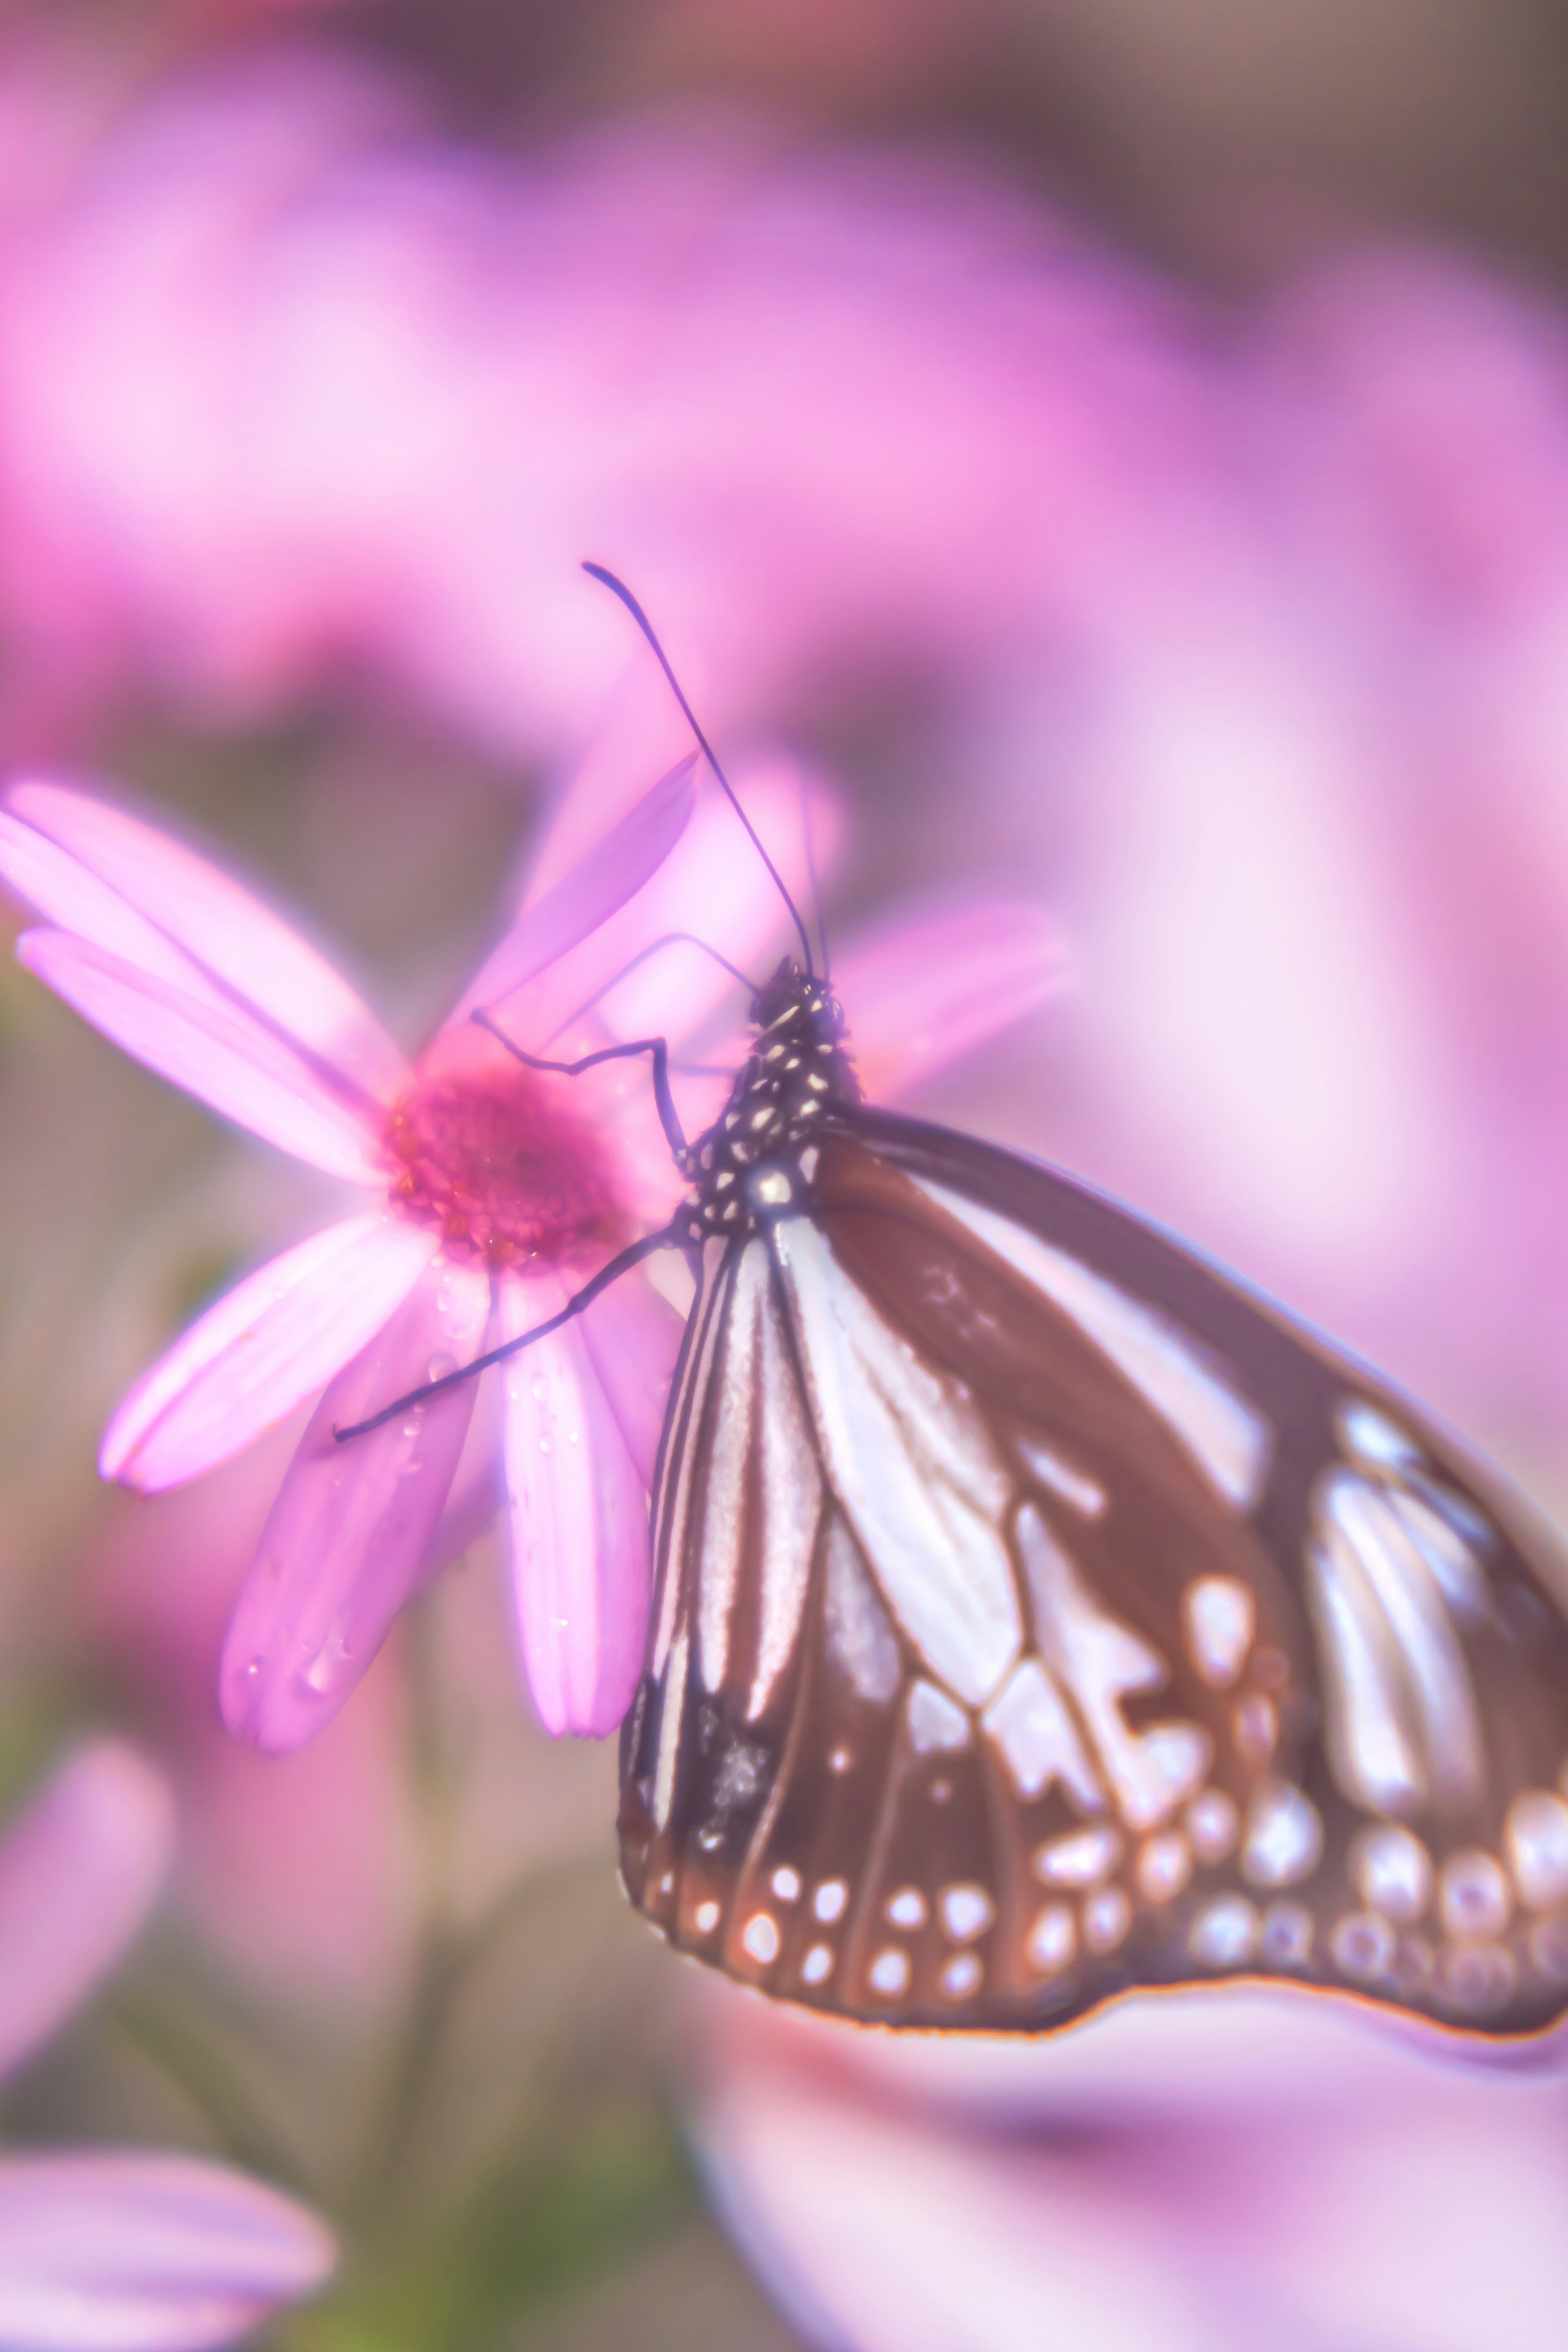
x,y
667,1237
669,1116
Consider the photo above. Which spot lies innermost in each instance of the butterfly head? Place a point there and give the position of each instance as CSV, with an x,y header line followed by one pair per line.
x,y
757,1161
797,1003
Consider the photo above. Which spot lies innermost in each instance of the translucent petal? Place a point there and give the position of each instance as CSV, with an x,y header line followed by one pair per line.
x,y
714,886
132,2251
223,1057
246,946
79,1869
262,1349
610,875
579,1526
633,1336
344,1542
933,989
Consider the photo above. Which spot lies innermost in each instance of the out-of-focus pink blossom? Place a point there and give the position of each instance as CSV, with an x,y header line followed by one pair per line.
x,y
1194,2172
284,377
80,1871
499,1192
124,2250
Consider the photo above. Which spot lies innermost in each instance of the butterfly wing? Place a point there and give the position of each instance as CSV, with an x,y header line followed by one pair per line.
x,y
1040,1615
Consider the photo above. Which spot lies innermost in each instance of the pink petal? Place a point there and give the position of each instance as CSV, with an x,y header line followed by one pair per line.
x,y
79,1870
136,2252
633,1336
224,1058
610,875
266,1345
932,990
579,1526
714,886
873,2228
343,1543
51,881
246,946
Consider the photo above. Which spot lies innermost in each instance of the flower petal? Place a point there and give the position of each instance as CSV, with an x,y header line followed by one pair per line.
x,y
51,881
79,1870
266,1345
343,1543
223,1057
715,886
579,1524
932,990
137,2251
610,875
632,1337
247,948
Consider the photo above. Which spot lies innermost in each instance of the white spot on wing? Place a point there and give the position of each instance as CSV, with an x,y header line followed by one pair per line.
x,y
1373,1438
966,1912
1392,1870
1536,1837
1403,1717
1082,1858
1473,1894
1225,1934
1218,1618
1284,1836
859,1637
1191,1394
913,1467
888,1974
1106,1919
830,1900
1031,1726
1099,1660
934,1721
760,1937
1074,1487
1052,1939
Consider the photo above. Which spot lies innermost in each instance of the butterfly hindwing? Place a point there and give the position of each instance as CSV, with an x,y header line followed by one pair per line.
x,y
1038,1616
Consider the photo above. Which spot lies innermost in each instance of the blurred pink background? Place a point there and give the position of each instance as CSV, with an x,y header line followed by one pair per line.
x,y
1124,453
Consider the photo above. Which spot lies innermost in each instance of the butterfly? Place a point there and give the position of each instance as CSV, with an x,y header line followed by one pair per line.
x,y
1040,1615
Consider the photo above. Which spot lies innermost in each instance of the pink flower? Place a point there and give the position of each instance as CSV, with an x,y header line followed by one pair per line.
x,y
497,1192
1198,2173
118,2250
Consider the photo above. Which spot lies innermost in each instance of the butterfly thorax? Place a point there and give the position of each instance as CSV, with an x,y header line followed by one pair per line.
x,y
757,1161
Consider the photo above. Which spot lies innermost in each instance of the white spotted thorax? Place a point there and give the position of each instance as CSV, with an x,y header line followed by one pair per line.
x,y
748,1168
1039,1618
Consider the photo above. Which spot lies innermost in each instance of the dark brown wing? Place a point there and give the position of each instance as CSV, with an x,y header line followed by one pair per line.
x,y
1039,1616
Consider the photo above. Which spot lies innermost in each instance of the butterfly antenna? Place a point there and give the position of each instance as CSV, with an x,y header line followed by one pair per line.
x,y
670,940
815,883
618,588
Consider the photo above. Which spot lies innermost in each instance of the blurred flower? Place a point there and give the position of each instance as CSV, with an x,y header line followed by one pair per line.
x,y
122,2249
501,1189
285,377
1197,2173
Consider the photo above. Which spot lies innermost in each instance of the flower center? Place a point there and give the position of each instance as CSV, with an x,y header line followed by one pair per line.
x,y
507,1169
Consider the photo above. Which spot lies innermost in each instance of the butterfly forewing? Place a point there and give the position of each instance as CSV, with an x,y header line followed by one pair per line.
x,y
1038,1615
